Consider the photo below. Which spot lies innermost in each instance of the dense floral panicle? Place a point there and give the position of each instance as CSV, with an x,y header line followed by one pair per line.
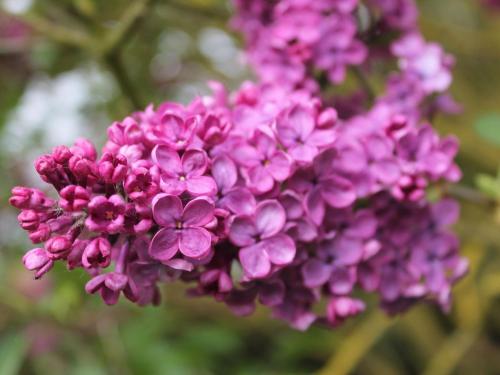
x,y
271,195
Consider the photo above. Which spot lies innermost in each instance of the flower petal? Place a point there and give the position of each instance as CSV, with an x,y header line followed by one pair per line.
x,y
167,210
255,261
194,163
164,245
279,166
202,185
239,201
315,272
198,212
280,249
224,172
172,185
270,218
167,159
195,242
242,231
338,192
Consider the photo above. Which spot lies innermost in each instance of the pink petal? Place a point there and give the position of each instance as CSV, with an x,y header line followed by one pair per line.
x,y
315,273
255,261
264,144
315,206
280,249
172,185
94,284
167,159
259,179
301,119
116,281
167,210
292,203
245,155
342,280
202,185
224,172
240,201
179,264
195,242
198,212
270,218
321,138
242,231
164,244
303,153
279,166
338,192
194,163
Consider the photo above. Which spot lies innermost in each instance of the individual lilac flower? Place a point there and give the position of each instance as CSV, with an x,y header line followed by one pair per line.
x,y
113,168
172,130
182,227
186,173
41,234
27,198
37,260
84,148
97,253
29,220
340,308
105,214
137,219
321,185
140,184
110,285
58,247
427,61
262,244
263,164
296,131
74,198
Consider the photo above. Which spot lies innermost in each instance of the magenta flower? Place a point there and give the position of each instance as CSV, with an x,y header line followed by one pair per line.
x,y
74,198
97,253
37,260
184,174
106,214
172,130
110,285
296,131
182,228
263,164
262,244
113,168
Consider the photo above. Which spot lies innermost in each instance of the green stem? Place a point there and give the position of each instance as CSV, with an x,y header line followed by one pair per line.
x,y
116,67
357,344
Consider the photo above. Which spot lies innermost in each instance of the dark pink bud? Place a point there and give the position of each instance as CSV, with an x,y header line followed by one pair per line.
x,y
61,154
327,118
83,169
41,234
97,253
58,247
29,220
27,198
74,258
84,148
74,198
45,165
113,168
37,260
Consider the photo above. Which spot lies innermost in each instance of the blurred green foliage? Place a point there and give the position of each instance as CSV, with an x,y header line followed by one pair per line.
x,y
87,62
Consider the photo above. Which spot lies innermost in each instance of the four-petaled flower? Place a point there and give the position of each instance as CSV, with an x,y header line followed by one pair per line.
x,y
182,227
262,244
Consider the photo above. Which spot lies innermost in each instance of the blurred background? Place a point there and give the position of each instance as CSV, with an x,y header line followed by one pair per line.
x,y
70,67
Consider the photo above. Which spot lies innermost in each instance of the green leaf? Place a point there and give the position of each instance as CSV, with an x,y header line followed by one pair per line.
x,y
12,351
488,127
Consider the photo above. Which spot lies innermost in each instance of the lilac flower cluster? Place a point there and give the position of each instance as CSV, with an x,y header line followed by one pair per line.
x,y
268,195
310,45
